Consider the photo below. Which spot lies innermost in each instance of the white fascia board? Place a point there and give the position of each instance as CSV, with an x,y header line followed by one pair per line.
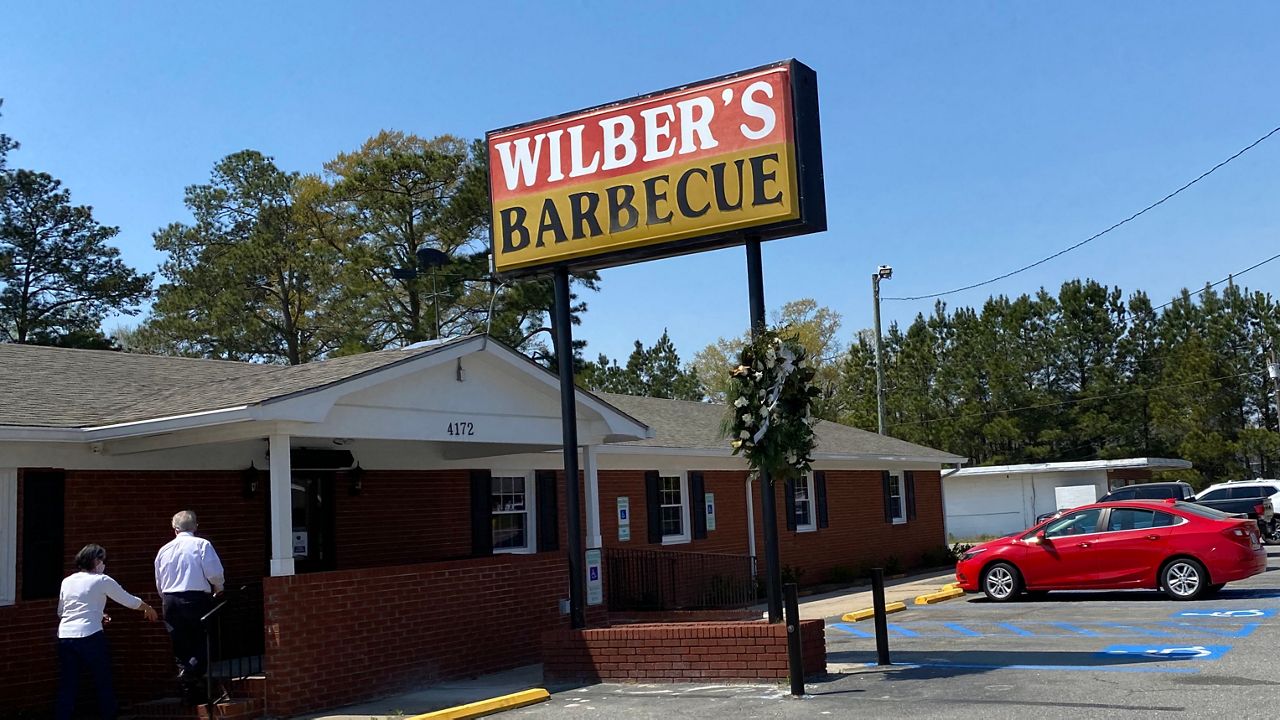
x,y
21,433
205,418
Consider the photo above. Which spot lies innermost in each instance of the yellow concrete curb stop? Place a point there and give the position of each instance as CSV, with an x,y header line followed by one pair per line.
x,y
937,597
951,586
871,612
487,707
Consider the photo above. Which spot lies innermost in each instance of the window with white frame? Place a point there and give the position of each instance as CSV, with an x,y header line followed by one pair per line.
x,y
8,536
805,521
897,508
673,501
511,504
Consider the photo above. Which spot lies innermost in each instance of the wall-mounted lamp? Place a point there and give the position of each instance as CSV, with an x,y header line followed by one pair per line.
x,y
356,476
249,479
462,374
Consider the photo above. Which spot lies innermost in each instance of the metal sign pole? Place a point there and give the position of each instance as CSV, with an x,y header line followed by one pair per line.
x,y
768,512
569,424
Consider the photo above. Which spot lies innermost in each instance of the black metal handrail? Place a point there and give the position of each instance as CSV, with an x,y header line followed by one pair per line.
x,y
234,641
668,580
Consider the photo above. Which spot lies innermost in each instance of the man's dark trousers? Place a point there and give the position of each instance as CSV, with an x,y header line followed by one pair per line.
x,y
182,613
89,653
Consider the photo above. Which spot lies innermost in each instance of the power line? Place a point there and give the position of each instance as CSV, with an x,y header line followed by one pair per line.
x,y
1134,216
1070,402
1215,284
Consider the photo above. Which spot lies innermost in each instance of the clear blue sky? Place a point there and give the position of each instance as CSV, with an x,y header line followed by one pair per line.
x,y
961,140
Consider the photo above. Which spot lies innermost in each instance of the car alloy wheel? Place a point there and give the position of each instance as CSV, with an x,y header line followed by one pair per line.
x,y
1184,579
1000,582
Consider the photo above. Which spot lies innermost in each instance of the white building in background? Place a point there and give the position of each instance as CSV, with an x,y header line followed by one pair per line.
x,y
1002,499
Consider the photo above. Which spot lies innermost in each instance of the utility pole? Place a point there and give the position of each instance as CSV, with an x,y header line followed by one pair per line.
x,y
1273,369
884,272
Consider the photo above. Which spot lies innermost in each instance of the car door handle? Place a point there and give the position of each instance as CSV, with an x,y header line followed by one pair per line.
x,y
1084,545
1153,537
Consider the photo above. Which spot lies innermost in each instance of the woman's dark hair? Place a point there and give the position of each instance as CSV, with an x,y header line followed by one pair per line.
x,y
89,556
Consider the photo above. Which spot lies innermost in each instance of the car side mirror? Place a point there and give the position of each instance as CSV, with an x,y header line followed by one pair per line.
x,y
1042,538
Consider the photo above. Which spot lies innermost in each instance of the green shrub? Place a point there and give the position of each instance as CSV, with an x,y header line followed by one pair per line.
x,y
844,574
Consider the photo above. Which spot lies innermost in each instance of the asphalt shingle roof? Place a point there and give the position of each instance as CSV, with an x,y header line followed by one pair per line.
x,y
688,424
66,388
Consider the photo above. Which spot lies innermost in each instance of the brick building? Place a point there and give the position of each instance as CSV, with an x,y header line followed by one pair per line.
x,y
387,519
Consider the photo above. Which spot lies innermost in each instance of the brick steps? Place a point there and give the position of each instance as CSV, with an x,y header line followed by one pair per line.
x,y
247,703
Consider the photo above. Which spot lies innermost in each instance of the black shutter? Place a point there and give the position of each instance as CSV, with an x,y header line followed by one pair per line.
x,y
481,513
888,504
548,511
820,496
790,503
43,504
910,479
653,506
698,505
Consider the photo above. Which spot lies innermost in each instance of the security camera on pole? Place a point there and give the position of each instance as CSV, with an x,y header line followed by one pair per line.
x,y
884,272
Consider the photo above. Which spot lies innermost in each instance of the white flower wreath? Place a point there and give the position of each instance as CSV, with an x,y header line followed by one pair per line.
x,y
771,402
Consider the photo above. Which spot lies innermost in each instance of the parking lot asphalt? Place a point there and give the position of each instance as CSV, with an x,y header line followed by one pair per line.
x,y
1068,654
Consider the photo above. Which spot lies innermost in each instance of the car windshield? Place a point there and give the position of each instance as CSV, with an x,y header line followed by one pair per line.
x,y
1202,511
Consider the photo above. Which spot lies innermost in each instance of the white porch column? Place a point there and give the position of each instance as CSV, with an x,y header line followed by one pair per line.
x,y
281,528
592,484
8,536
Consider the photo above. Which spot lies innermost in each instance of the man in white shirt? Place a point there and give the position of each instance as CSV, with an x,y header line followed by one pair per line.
x,y
81,642
188,575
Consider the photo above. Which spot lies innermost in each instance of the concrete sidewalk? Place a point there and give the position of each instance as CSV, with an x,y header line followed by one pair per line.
x,y
839,602
461,692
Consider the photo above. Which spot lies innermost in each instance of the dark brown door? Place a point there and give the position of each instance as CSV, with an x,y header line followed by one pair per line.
x,y
313,520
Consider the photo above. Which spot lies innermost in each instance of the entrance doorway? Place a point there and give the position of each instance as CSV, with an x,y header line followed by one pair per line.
x,y
313,520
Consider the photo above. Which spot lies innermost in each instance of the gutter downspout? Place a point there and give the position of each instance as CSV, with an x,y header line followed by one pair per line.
x,y
751,527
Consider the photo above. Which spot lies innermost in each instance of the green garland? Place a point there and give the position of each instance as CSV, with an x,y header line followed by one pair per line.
x,y
771,402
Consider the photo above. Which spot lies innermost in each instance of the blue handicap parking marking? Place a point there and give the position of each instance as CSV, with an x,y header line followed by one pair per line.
x,y
1233,614
1170,651
1163,630
857,632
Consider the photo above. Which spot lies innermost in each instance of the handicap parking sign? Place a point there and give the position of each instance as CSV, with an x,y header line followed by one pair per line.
x,y
1170,652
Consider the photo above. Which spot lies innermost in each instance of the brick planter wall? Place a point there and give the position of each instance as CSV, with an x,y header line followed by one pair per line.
x,y
677,652
340,637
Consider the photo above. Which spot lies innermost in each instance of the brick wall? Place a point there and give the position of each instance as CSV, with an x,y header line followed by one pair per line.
x,y
340,637
128,513
681,652
403,518
856,538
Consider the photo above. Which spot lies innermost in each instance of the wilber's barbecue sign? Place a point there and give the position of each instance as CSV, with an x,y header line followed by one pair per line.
x,y
697,167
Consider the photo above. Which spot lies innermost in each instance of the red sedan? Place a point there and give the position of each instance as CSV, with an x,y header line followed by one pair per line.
x,y
1183,548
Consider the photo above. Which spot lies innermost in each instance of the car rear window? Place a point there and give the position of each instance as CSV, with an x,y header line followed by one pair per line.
x,y
1219,494
1157,493
1202,511
1250,491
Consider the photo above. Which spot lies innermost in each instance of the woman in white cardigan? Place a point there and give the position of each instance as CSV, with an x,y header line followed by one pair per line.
x,y
81,641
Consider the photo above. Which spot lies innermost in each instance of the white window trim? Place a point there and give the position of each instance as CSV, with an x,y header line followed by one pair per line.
x,y
530,511
812,525
901,517
8,536
686,536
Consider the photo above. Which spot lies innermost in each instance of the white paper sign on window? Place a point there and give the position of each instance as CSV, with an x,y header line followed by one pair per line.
x,y
299,543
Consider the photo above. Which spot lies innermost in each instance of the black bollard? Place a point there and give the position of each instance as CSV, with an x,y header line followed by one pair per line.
x,y
794,656
882,625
